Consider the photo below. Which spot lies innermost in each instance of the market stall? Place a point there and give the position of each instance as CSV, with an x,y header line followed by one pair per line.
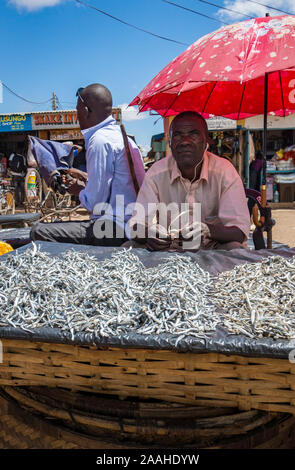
x,y
229,387
280,167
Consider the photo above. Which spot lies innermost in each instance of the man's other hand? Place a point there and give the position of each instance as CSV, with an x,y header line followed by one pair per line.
x,y
224,234
75,186
78,174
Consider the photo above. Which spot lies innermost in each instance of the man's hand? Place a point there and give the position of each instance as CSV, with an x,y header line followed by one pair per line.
x,y
77,174
224,234
152,236
158,238
74,185
158,244
195,230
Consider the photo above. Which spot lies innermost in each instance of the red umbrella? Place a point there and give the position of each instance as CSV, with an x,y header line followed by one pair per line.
x,y
223,72
238,71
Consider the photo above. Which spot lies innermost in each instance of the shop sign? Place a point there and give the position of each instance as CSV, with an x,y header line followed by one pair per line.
x,y
51,120
63,119
220,123
273,122
70,134
45,121
15,122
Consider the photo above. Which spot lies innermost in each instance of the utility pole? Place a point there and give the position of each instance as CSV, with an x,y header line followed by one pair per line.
x,y
54,106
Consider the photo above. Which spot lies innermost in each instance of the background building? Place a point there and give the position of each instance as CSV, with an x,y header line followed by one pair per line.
x,y
48,125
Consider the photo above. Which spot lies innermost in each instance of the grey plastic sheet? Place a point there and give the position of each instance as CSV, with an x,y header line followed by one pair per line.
x,y
221,341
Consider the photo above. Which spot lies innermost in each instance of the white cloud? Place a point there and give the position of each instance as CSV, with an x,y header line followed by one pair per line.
x,y
253,9
144,149
31,5
131,113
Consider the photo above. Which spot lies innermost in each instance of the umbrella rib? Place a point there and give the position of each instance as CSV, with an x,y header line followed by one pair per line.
x,y
241,101
146,103
282,93
209,97
152,96
172,103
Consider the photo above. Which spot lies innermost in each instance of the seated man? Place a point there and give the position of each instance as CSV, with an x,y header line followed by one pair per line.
x,y
107,187
192,175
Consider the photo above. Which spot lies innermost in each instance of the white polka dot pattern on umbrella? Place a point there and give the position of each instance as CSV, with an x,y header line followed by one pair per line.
x,y
232,55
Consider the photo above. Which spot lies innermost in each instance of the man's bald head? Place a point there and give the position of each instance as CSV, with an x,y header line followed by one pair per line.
x,y
95,105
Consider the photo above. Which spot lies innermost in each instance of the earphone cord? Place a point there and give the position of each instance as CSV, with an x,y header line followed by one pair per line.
x,y
195,173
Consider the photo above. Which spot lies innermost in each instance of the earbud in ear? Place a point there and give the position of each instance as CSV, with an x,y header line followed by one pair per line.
x,y
207,146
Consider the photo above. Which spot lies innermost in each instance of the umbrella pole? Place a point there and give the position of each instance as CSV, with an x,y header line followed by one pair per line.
x,y
263,187
267,216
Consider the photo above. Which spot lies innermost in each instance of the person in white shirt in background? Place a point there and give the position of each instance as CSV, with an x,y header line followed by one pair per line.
x,y
108,179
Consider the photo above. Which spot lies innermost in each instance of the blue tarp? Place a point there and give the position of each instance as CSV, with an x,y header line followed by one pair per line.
x,y
51,156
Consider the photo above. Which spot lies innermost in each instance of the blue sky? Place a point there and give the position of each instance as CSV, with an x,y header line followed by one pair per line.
x,y
58,45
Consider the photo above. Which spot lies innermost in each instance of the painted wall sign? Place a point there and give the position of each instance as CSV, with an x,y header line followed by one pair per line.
x,y
273,122
47,120
15,122
220,123
69,134
63,119
55,119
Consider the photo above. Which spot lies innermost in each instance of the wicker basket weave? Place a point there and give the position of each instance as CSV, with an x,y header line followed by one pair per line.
x,y
211,380
53,419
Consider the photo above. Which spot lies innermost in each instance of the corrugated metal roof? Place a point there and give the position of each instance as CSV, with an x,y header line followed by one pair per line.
x,y
47,112
40,112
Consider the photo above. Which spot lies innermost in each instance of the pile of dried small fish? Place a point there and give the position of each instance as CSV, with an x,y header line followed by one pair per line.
x,y
78,293
258,298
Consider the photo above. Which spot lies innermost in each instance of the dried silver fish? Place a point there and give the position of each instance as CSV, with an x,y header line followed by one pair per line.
x,y
78,293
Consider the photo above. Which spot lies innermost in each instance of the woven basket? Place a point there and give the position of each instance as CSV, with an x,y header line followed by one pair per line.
x,y
210,380
39,418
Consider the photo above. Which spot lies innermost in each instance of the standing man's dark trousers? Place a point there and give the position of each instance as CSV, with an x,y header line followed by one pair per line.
x,y
19,189
86,232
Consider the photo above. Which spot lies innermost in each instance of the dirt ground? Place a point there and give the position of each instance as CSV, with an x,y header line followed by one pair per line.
x,y
284,230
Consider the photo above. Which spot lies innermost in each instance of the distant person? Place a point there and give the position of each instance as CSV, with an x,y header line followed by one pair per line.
x,y
255,171
108,176
3,164
80,159
17,165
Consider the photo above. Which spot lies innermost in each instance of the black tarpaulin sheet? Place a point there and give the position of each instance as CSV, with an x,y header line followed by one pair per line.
x,y
221,341
20,236
22,217
16,237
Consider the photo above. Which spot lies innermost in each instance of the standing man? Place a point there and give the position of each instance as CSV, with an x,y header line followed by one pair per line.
x,y
193,175
107,181
17,165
